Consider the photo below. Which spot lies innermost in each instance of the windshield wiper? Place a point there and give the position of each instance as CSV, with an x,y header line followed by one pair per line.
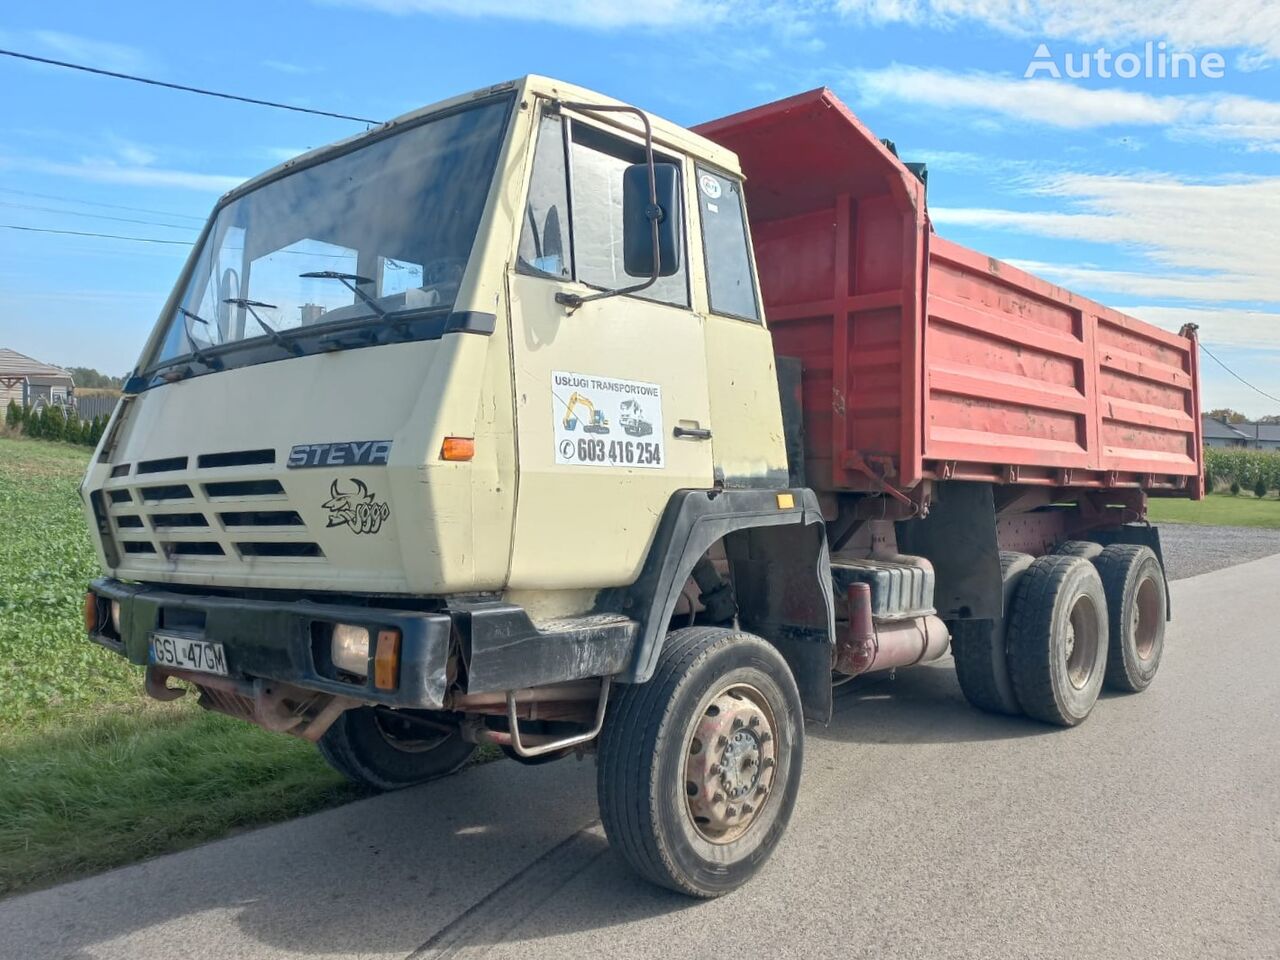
x,y
276,336
211,362
349,280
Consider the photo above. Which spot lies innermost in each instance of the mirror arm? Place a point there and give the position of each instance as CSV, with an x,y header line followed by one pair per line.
x,y
654,212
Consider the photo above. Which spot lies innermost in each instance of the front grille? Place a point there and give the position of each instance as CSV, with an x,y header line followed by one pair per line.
x,y
204,517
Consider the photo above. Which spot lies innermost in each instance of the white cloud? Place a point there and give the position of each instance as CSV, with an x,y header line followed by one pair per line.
x,y
1180,286
1244,329
285,66
94,53
1184,24
97,170
1060,103
599,14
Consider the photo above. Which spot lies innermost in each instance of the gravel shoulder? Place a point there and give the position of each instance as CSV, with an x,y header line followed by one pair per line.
x,y
1192,549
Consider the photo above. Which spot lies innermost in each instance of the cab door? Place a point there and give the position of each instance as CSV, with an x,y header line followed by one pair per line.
x,y
611,398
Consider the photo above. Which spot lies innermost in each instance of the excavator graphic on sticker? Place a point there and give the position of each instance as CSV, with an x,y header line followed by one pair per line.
x,y
594,420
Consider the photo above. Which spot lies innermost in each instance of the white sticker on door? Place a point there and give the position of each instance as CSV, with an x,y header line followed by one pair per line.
x,y
603,422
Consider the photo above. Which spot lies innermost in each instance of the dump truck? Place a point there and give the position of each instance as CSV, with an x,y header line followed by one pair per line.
x,y
339,498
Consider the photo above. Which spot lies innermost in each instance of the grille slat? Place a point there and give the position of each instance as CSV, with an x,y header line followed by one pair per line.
x,y
226,489
164,520
282,548
236,458
167,465
172,491
194,548
120,496
129,522
261,518
138,546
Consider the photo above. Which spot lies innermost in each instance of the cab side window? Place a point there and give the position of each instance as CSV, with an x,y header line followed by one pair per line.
x,y
731,284
544,241
588,245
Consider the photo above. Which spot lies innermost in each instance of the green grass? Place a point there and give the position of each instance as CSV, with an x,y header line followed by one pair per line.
x,y
92,774
1218,509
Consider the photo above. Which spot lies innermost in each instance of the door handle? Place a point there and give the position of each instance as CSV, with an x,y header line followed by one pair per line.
x,y
693,433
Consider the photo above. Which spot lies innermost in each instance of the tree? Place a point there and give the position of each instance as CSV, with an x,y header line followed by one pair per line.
x,y
1227,415
89,377
1270,418
13,415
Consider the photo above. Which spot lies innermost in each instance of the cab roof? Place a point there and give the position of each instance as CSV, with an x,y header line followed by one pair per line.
x,y
665,132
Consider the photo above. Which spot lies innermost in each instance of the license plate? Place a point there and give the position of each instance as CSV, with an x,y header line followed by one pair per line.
x,y
188,653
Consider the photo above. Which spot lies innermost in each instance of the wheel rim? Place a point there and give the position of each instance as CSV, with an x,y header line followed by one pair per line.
x,y
1146,617
399,735
730,763
1080,649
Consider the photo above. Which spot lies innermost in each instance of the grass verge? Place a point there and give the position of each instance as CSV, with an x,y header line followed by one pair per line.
x,y
1218,509
93,775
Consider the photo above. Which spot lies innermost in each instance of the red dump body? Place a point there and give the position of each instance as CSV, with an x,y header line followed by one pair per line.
x,y
924,359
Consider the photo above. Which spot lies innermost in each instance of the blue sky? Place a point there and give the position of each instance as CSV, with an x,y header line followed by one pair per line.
x,y
1159,196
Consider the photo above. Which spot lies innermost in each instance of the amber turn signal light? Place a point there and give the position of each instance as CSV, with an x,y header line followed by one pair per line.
x,y
91,612
458,448
386,660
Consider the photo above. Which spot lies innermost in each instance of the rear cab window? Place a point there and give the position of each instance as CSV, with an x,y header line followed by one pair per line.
x,y
731,287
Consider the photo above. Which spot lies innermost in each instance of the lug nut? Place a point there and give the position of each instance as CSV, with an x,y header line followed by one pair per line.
x,y
737,724
717,797
731,812
766,736
722,741
747,808
755,721
766,763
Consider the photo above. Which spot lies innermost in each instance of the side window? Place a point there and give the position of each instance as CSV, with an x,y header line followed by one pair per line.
x,y
544,241
730,282
590,248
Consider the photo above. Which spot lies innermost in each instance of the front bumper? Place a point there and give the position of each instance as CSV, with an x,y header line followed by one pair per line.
x,y
285,640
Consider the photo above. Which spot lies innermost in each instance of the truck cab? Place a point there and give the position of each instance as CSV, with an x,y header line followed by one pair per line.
x,y
470,430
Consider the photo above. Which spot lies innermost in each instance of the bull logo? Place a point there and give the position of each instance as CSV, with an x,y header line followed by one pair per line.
x,y
358,510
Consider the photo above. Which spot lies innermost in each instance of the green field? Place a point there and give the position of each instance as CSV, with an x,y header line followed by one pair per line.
x,y
92,773
1218,509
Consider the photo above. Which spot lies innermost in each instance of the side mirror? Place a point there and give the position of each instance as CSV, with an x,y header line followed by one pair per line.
x,y
637,229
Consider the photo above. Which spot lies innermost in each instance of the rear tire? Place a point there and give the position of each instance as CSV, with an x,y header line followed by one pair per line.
x,y
699,766
1078,548
1058,639
367,748
1137,600
978,647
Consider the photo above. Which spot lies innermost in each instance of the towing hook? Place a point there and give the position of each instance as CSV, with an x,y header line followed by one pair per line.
x,y
158,686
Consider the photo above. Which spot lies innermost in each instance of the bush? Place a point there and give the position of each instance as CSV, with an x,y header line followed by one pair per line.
x,y
13,415
1244,467
1260,488
1235,488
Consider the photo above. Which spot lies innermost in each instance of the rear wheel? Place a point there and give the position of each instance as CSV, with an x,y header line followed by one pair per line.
x,y
1078,548
978,647
387,751
1058,639
699,766
1137,601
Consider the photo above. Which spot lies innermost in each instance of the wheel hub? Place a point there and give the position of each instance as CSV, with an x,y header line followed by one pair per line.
x,y
730,764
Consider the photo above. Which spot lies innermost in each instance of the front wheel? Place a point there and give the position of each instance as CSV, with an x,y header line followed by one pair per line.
x,y
699,767
386,751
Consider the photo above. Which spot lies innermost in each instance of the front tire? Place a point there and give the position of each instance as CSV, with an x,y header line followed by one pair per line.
x,y
699,767
375,749
1058,639
978,647
1137,600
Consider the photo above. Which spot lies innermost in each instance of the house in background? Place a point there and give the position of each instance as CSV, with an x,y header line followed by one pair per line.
x,y
1260,436
32,383
1241,436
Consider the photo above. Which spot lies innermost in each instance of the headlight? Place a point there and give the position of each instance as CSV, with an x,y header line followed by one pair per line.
x,y
349,649
115,617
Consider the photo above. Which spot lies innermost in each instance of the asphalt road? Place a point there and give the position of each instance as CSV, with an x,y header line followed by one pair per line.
x,y
924,829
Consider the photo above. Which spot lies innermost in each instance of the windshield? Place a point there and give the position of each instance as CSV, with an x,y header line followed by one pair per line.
x,y
384,231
